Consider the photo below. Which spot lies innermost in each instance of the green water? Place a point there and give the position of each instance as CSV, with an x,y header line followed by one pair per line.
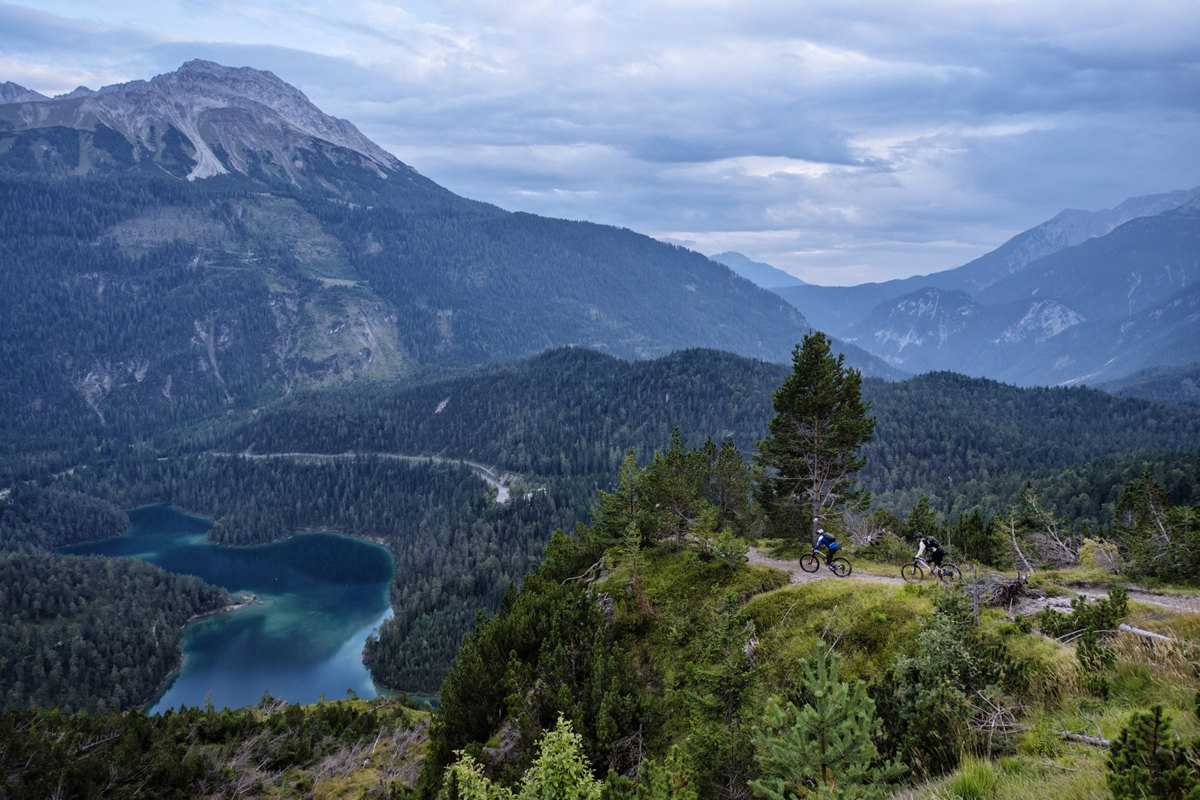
x,y
319,597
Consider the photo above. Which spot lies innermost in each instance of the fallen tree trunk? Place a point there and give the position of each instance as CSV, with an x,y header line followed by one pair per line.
x,y
1095,741
1156,636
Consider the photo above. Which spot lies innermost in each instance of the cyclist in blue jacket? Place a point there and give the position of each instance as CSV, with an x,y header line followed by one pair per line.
x,y
828,541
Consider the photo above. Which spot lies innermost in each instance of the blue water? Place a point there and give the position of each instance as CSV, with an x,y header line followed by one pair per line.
x,y
319,595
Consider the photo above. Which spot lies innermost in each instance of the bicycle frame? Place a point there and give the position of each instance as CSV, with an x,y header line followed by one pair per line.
x,y
944,572
836,564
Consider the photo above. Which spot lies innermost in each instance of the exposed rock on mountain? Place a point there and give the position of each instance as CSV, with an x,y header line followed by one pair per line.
x,y
204,119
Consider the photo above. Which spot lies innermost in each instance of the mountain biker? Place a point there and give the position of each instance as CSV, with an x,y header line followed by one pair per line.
x,y
933,548
828,541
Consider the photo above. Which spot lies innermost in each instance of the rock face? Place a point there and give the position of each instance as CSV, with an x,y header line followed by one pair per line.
x,y
202,120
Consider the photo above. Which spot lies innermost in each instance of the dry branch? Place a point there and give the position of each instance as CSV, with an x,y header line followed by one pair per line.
x,y
998,590
586,575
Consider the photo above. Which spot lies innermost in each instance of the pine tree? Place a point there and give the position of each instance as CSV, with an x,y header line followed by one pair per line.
x,y
811,453
1147,763
922,520
825,748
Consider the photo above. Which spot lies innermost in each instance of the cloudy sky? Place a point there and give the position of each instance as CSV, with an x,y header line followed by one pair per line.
x,y
844,141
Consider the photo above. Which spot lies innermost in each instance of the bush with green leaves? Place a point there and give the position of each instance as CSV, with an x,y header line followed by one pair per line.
x,y
924,700
560,772
1088,625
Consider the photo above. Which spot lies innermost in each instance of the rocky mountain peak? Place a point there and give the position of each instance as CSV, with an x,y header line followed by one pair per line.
x,y
212,84
16,93
234,119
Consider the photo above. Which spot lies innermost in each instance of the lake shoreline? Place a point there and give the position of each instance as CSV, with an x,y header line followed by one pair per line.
x,y
165,684
308,600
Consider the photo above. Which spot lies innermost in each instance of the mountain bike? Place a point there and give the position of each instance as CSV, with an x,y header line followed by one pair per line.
x,y
914,571
811,562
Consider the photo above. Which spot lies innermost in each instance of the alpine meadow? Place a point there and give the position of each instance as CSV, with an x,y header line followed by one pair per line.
x,y
600,464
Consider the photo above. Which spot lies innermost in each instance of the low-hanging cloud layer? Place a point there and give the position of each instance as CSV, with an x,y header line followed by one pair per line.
x,y
842,142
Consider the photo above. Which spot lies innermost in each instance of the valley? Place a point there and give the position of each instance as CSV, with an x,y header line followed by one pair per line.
x,y
565,437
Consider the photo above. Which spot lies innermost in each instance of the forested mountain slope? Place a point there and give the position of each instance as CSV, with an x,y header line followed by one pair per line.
x,y
677,664
84,634
1178,385
561,423
575,413
208,241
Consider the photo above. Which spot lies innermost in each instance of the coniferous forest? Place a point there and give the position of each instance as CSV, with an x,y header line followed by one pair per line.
x,y
962,450
631,479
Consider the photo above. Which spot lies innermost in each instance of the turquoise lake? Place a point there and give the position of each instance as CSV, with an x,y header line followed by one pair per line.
x,y
319,596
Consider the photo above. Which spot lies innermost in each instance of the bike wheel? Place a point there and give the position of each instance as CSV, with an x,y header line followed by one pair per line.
x,y
912,573
809,562
949,574
840,566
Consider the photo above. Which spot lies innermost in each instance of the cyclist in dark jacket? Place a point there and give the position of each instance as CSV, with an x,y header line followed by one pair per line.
x,y
932,549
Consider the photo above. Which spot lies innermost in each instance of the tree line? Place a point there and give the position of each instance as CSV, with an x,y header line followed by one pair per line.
x,y
89,633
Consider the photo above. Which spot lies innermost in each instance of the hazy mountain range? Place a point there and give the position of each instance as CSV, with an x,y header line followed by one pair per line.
x,y
762,274
1086,297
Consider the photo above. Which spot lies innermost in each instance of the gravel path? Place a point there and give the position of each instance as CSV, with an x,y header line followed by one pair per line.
x,y
792,567
1184,604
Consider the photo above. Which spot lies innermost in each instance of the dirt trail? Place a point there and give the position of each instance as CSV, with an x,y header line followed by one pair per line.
x,y
792,567
1184,604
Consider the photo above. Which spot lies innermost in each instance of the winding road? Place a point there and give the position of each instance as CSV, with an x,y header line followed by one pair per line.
x,y
498,479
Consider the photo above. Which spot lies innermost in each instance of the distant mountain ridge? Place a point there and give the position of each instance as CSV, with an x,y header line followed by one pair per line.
x,y
1084,297
1177,385
219,241
15,93
761,274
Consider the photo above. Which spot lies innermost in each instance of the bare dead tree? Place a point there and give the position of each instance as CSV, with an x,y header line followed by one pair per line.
x,y
1051,541
1012,532
863,528
998,590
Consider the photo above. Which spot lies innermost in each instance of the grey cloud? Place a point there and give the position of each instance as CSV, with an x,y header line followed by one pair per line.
x,y
939,129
